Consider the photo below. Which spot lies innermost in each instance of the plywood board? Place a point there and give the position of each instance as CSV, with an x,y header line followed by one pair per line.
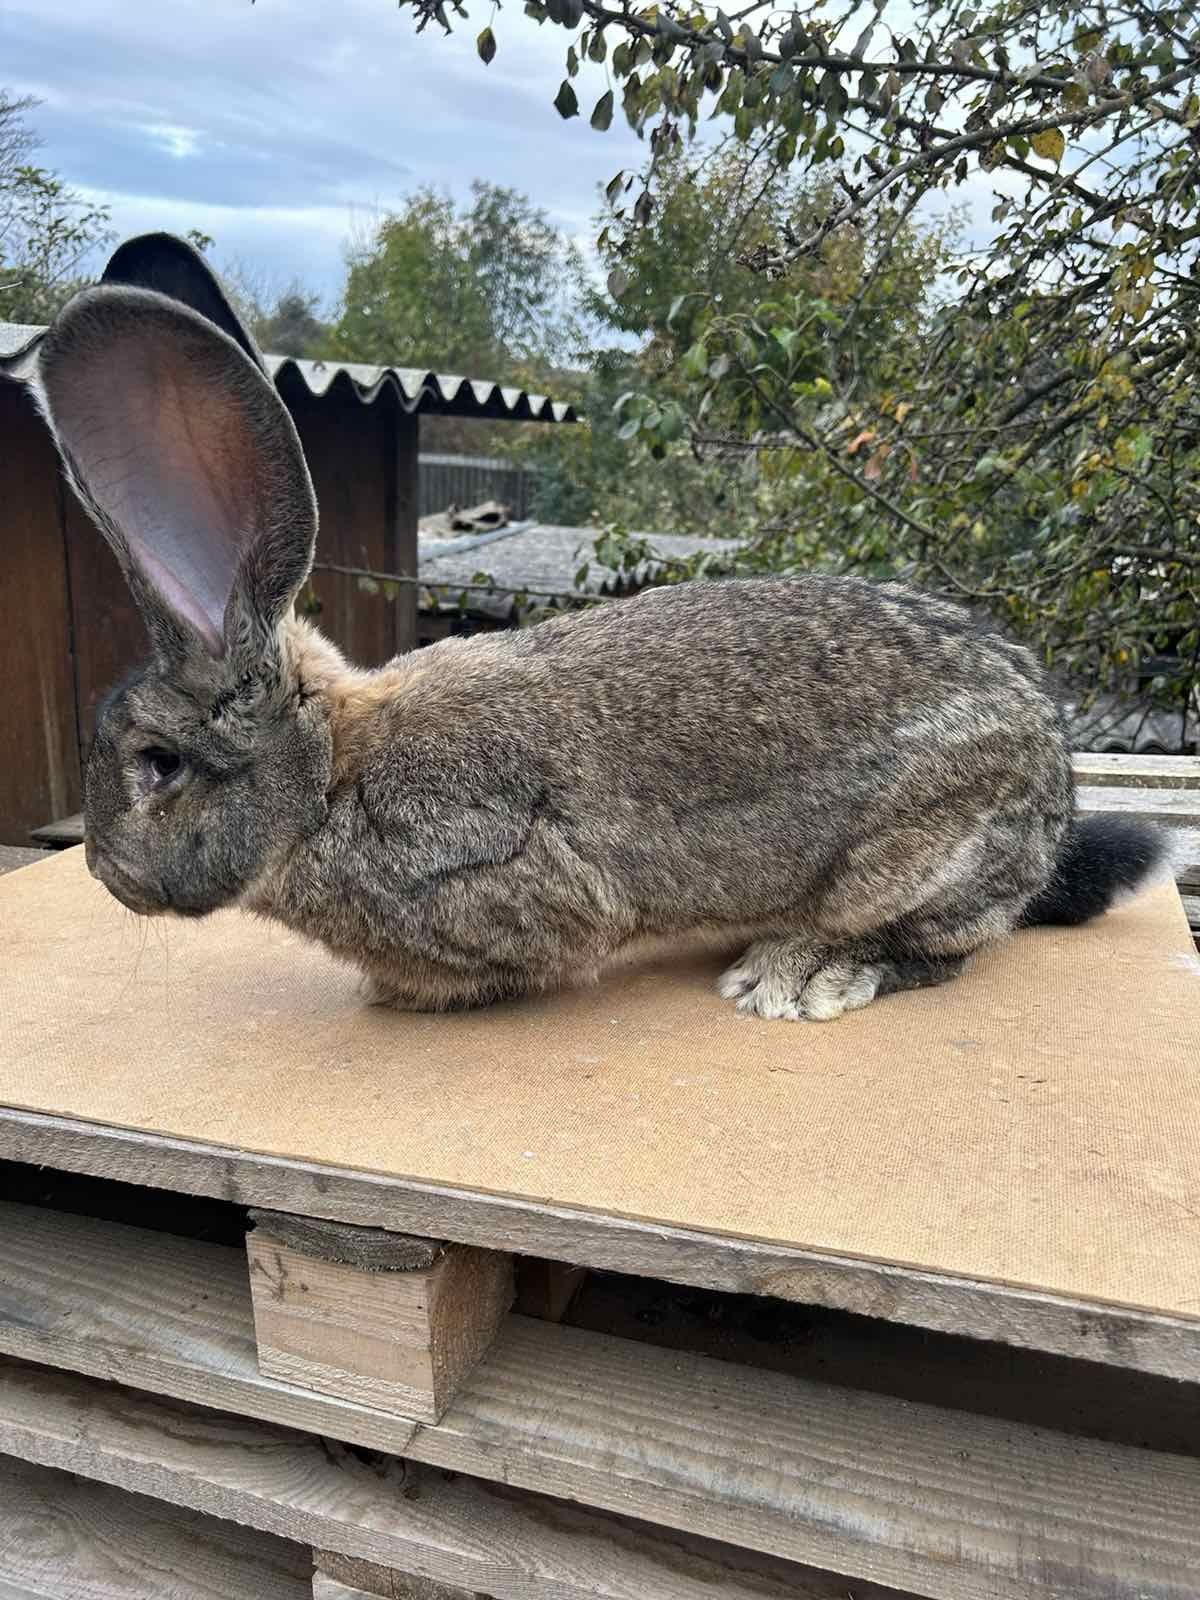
x,y
1035,1124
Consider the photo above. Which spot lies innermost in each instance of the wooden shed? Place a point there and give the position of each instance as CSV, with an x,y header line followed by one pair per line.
x,y
70,629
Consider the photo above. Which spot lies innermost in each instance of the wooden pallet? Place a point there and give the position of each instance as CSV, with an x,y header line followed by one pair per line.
x,y
274,1392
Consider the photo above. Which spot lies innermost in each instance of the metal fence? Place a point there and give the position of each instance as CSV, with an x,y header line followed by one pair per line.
x,y
467,480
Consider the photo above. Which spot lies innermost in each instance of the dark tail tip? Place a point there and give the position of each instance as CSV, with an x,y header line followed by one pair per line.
x,y
1100,858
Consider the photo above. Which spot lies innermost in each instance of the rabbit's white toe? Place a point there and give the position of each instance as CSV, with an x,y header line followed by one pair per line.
x,y
782,980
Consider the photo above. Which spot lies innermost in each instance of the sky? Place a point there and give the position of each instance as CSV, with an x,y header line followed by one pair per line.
x,y
280,126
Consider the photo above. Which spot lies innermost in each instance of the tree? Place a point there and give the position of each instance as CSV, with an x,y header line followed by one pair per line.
x,y
532,277
480,291
293,326
664,278
1035,449
46,229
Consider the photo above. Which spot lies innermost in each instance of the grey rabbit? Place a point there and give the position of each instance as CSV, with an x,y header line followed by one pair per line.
x,y
855,784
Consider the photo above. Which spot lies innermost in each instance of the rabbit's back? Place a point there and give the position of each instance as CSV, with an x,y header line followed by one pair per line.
x,y
712,754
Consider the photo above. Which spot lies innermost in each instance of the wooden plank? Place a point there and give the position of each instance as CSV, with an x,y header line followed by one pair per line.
x,y
63,1538
1055,1324
345,1578
400,540
61,834
39,746
1138,772
324,1588
13,856
545,1289
1177,808
881,1488
481,1537
351,454
400,1341
1185,852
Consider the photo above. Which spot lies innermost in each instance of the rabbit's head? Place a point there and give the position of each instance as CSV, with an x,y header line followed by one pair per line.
x,y
215,755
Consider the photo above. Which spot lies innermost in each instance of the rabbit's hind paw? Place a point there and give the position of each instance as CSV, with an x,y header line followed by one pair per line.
x,y
785,979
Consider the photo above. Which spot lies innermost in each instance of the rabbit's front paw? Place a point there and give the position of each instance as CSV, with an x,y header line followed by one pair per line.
x,y
788,980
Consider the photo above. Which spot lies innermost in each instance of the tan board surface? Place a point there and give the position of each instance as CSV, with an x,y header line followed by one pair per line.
x,y
1036,1123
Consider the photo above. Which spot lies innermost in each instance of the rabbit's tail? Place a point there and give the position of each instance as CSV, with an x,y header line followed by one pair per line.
x,y
1100,859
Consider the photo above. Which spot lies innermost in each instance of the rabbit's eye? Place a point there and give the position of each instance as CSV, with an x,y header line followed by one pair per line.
x,y
161,764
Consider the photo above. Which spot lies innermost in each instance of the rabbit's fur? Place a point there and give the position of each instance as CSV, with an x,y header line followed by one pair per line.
x,y
855,781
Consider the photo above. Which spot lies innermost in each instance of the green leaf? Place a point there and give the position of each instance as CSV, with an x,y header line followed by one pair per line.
x,y
670,427
486,45
618,282
603,114
597,47
695,362
565,102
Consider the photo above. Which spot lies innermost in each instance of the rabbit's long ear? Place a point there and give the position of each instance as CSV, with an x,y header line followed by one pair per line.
x,y
189,463
173,267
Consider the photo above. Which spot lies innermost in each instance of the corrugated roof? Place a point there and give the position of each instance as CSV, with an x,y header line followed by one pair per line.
x,y
440,393
436,393
541,558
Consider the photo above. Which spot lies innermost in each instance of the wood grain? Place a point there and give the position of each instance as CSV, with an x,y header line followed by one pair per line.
x,y
1175,808
324,1588
66,1539
400,536
396,1341
39,745
1057,1325
370,1249
351,453
880,1488
1185,855
1138,772
483,1538
345,1578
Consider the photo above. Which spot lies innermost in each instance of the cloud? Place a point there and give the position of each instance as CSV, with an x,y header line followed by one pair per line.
x,y
272,125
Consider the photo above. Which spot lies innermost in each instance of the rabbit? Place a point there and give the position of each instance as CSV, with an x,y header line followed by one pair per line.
x,y
856,785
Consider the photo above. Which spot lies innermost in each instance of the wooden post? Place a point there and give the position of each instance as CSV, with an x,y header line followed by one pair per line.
x,y
400,540
382,1319
347,1578
545,1289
